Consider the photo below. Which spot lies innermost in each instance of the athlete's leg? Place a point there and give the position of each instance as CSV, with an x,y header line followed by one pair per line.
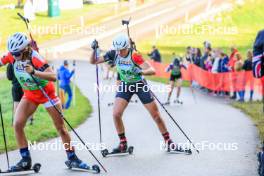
x,y
120,105
172,83
24,110
60,126
155,114
179,85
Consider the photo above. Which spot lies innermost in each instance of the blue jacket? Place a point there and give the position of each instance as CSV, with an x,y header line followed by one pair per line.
x,y
223,65
64,75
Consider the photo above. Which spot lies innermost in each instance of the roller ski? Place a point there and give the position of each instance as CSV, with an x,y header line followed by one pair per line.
x,y
173,148
178,102
78,165
24,166
167,103
121,150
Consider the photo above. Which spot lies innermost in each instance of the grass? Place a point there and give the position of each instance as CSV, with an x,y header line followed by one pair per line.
x,y
254,110
43,128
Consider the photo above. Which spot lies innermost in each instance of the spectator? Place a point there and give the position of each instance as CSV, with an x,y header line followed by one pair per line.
x,y
155,54
197,56
189,55
223,63
232,58
64,75
248,67
207,52
217,58
238,66
209,63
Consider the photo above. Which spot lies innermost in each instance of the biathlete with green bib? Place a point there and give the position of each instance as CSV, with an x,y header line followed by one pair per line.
x,y
131,68
175,77
27,62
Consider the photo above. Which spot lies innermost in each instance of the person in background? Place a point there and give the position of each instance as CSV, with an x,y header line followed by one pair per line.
x,y
175,77
207,52
209,63
232,58
248,66
238,67
217,58
17,91
155,54
189,55
231,65
64,75
197,56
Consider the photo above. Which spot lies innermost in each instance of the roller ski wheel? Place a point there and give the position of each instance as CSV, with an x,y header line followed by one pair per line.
x,y
115,152
78,165
23,171
178,102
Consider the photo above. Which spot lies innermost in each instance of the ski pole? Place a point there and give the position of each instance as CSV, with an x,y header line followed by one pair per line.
x,y
4,136
175,122
74,82
62,116
98,96
33,42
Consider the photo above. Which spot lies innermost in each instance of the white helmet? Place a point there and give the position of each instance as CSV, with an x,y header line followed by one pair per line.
x,y
17,42
120,42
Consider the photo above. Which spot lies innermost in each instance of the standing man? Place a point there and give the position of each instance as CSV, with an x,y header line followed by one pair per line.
x,y
155,54
64,75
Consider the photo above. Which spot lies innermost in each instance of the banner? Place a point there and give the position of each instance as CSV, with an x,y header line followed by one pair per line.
x,y
228,82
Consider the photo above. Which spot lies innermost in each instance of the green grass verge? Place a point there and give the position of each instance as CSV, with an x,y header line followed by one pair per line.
x,y
254,110
43,128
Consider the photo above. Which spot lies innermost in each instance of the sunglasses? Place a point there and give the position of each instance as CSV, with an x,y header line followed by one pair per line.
x,y
16,54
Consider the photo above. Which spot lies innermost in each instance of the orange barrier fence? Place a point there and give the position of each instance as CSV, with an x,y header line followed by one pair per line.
x,y
229,82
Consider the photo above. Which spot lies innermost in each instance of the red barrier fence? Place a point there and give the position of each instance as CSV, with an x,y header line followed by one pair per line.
x,y
230,81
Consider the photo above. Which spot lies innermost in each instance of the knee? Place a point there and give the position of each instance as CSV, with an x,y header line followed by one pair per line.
x,y
19,126
117,115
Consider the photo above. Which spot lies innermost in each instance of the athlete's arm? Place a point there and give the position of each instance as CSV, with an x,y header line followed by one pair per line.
x,y
47,74
93,60
147,69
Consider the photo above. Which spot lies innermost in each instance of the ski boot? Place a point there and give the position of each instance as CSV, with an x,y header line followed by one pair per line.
x,y
76,164
23,165
177,101
122,149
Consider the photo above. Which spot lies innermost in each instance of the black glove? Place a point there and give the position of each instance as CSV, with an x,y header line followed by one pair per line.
x,y
94,45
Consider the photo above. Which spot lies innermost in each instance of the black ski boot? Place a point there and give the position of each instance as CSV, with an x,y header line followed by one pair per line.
x,y
121,148
23,165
